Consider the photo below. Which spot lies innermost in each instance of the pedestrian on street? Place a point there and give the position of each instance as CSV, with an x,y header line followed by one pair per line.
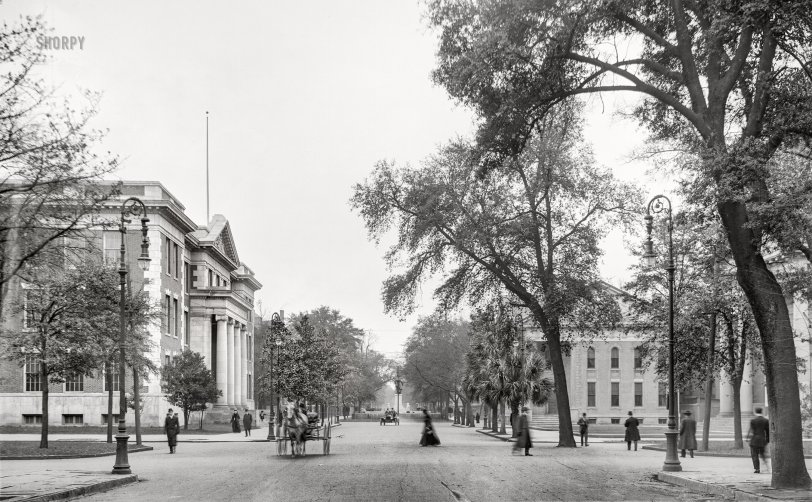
x,y
477,417
583,424
759,437
632,432
247,419
235,421
687,434
261,416
523,439
171,428
429,437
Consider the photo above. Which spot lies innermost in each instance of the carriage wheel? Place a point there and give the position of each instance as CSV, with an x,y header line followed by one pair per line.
x,y
281,446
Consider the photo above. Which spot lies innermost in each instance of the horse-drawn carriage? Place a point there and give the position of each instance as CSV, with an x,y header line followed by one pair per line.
x,y
298,430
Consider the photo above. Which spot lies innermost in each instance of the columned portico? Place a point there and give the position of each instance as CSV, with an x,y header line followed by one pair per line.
x,y
244,365
230,362
238,367
222,353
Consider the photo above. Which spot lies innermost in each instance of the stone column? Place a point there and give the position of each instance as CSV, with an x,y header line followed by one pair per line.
x,y
230,363
725,397
244,366
222,365
747,390
238,399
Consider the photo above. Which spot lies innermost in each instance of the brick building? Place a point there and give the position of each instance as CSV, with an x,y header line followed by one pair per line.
x,y
207,299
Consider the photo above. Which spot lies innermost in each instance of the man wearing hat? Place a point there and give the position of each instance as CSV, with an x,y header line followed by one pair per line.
x,y
687,434
523,439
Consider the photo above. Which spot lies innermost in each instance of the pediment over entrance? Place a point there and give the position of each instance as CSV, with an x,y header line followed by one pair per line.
x,y
218,234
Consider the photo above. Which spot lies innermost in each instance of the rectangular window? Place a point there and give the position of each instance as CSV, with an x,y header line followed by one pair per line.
x,y
662,400
590,394
114,374
186,328
638,393
73,419
250,393
168,252
75,382
112,246
166,360
211,279
104,418
250,348
187,277
615,420
615,394
32,419
638,359
177,259
168,315
615,359
176,315
32,383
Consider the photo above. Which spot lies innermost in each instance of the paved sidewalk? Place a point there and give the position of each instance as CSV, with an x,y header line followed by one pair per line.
x,y
729,477
39,483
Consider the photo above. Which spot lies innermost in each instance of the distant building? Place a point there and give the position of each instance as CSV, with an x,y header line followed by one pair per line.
x,y
207,298
606,378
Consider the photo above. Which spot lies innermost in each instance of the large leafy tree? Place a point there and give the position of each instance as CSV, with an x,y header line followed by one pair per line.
x,y
533,231
49,191
728,80
189,384
435,359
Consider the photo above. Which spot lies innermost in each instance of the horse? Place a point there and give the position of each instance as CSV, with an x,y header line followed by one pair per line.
x,y
296,427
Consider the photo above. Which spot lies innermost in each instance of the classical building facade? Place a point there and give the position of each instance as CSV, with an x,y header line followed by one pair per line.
x,y
606,379
207,305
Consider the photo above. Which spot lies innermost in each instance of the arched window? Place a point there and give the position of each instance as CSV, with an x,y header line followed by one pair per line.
x,y
615,358
590,358
638,360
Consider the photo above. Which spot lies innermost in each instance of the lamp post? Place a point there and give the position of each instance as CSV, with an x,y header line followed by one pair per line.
x,y
130,207
275,321
398,390
661,204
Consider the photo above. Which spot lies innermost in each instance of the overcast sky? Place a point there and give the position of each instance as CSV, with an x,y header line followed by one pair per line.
x,y
304,97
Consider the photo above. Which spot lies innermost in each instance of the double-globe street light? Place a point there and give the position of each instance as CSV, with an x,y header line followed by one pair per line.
x,y
661,204
276,338
130,207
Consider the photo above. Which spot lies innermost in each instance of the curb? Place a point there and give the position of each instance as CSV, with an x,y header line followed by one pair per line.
x,y
84,490
90,455
707,454
728,492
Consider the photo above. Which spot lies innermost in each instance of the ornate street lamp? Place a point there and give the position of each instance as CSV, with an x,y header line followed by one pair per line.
x,y
657,205
130,207
277,340
398,391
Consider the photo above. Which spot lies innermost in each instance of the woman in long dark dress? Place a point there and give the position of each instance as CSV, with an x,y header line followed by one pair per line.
x,y
632,432
171,428
429,437
235,422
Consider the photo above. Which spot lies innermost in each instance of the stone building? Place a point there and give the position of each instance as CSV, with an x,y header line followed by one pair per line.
x,y
207,299
606,379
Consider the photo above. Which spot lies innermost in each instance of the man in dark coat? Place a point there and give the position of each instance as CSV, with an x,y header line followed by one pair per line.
x,y
247,420
632,431
171,428
583,424
687,434
759,436
523,439
235,422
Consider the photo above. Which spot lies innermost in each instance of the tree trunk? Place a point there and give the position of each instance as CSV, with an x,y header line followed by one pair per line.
x,y
737,413
108,377
137,405
456,409
186,414
494,417
770,311
514,418
43,382
502,429
562,399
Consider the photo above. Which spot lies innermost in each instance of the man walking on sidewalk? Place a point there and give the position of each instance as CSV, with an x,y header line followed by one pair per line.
x,y
583,423
247,420
759,436
687,434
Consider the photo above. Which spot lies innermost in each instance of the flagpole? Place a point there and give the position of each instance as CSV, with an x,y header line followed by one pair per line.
x,y
207,168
